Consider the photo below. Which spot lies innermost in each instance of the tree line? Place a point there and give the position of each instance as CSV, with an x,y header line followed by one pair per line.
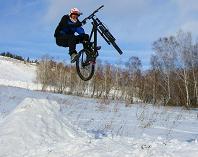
x,y
18,57
172,78
8,54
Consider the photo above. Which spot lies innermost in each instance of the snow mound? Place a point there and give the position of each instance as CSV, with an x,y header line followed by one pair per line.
x,y
33,124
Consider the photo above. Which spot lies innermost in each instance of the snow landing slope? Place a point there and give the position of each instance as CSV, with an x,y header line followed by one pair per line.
x,y
16,73
15,70
37,124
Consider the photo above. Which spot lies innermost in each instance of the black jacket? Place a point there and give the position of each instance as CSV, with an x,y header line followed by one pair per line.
x,y
66,26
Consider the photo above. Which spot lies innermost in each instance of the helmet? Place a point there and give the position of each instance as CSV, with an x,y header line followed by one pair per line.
x,y
75,11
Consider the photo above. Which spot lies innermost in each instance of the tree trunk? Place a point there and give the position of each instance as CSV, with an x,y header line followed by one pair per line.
x,y
186,88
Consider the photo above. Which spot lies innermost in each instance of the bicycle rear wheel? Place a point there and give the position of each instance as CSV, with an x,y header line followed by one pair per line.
x,y
85,70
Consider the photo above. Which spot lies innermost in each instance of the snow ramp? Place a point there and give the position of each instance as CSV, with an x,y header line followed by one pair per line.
x,y
34,127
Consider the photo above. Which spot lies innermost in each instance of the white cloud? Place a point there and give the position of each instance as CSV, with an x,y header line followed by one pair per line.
x,y
112,7
191,26
187,15
187,6
60,7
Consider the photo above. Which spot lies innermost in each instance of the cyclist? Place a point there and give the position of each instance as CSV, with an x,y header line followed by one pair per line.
x,y
65,33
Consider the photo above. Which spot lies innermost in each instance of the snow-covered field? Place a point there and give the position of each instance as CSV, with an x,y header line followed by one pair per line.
x,y
37,124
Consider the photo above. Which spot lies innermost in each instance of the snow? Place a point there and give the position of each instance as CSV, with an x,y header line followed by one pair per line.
x,y
38,124
15,70
18,74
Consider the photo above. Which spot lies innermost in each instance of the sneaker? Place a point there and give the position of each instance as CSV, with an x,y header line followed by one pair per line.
x,y
74,57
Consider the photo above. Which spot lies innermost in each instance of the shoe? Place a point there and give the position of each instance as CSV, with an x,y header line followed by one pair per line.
x,y
74,57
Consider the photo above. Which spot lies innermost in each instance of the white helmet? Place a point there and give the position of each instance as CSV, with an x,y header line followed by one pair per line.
x,y
75,11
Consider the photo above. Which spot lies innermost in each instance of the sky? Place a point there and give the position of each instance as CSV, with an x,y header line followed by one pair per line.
x,y
27,26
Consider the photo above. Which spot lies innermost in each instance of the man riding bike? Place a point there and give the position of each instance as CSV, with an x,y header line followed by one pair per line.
x,y
65,33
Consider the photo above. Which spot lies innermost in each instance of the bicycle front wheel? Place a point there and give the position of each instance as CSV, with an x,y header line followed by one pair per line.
x,y
85,70
116,47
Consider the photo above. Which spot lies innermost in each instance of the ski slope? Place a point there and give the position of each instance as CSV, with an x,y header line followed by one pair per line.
x,y
37,124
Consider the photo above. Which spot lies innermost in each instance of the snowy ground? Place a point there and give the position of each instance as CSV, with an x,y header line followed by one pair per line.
x,y
37,124
16,73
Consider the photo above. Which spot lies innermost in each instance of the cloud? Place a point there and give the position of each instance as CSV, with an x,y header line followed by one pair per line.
x,y
187,6
143,55
59,7
186,11
124,7
191,26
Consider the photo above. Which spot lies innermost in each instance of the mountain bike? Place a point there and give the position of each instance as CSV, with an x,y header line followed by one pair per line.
x,y
85,64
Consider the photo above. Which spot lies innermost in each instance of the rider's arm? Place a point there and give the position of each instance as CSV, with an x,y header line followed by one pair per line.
x,y
64,24
80,30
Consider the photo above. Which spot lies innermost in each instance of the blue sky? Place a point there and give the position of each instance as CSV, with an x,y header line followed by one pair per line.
x,y
27,26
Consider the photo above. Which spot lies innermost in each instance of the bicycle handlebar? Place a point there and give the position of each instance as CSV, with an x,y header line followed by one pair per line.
x,y
90,16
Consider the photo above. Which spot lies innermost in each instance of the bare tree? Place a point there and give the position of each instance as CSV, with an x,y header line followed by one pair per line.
x,y
165,49
155,75
44,72
184,51
134,68
194,64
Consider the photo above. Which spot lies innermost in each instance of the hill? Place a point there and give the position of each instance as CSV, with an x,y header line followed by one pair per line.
x,y
38,124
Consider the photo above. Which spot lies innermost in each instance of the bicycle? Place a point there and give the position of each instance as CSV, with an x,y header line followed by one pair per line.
x,y
85,64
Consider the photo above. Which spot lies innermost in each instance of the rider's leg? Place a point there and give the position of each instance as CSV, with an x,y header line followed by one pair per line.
x,y
72,48
84,39
68,41
72,44
62,41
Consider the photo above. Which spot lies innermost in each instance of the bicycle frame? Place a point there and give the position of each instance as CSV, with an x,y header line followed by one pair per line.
x,y
94,33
